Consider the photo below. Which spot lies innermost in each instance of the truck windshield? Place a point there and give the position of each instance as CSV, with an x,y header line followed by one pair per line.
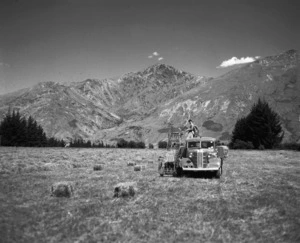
x,y
193,144
207,144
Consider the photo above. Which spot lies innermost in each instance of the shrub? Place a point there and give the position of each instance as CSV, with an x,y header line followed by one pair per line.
x,y
80,143
240,144
132,144
162,144
141,145
289,146
151,146
122,143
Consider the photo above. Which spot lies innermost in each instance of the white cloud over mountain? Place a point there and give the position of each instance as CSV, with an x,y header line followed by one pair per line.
x,y
156,55
235,61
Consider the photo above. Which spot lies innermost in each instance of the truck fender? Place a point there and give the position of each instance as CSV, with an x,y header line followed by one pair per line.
x,y
184,161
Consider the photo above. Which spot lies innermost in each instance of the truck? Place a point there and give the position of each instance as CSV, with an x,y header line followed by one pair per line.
x,y
198,154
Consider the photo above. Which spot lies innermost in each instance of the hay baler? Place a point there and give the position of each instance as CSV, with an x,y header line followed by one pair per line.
x,y
166,165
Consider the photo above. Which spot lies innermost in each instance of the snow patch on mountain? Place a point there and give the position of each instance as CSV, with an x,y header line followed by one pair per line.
x,y
225,105
114,115
269,77
206,103
187,106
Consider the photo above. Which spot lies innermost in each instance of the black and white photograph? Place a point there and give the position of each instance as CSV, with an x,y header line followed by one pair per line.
x,y
149,121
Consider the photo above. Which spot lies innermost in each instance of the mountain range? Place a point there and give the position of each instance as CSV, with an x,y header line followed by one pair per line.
x,y
141,105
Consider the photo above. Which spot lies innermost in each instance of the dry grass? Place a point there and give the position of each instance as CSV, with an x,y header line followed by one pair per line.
x,y
256,200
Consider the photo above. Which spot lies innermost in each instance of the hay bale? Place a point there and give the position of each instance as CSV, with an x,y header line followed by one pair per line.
x,y
98,167
49,166
62,189
131,163
126,189
76,165
139,167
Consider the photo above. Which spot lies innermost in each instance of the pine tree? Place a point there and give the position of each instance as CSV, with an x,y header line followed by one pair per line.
x,y
240,130
15,130
264,126
31,132
261,127
6,130
22,134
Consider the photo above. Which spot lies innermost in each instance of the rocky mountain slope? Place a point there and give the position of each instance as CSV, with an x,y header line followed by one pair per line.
x,y
216,105
82,109
140,105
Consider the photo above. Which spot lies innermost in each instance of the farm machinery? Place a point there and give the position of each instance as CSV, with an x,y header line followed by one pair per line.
x,y
195,155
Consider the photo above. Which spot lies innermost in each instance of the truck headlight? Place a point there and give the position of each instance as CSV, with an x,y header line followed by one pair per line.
x,y
191,155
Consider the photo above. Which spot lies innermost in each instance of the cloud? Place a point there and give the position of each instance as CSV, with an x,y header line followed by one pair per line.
x,y
156,55
235,61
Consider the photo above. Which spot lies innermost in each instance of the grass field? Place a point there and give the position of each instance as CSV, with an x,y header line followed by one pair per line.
x,y
257,198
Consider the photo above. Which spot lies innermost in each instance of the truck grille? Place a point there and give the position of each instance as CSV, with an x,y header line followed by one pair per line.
x,y
205,159
194,159
199,159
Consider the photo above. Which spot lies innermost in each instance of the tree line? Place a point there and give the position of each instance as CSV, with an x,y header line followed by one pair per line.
x,y
16,130
260,129
80,143
122,143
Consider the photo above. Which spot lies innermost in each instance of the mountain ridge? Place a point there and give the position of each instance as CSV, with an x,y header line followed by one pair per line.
x,y
137,105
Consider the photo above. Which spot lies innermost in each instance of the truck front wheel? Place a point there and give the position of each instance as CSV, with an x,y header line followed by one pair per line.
x,y
177,172
219,173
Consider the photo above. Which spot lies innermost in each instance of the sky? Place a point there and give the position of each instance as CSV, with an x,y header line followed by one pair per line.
x,y
72,40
